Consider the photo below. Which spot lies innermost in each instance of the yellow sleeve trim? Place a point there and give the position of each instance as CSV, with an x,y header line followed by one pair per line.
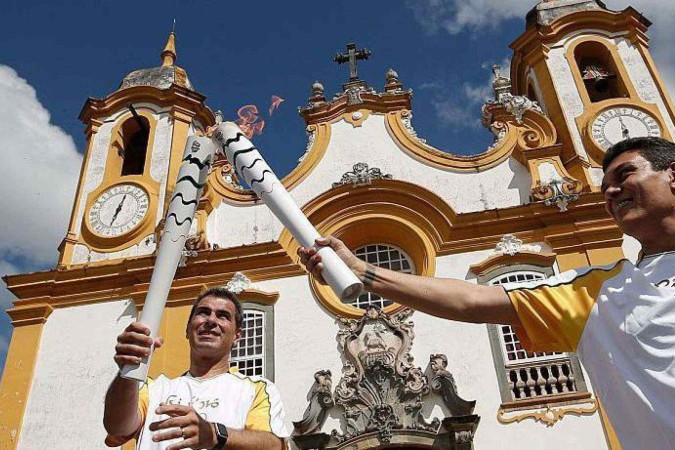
x,y
553,317
259,416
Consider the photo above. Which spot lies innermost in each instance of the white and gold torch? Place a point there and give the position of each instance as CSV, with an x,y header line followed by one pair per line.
x,y
251,167
197,159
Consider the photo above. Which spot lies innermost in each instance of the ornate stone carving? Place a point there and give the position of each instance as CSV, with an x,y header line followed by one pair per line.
x,y
559,192
443,383
238,283
311,136
406,119
509,245
321,399
362,175
381,391
513,104
380,388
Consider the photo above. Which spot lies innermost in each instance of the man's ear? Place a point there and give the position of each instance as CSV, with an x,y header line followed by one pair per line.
x,y
671,174
237,336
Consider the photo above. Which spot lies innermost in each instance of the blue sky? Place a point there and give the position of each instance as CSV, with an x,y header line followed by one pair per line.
x,y
53,55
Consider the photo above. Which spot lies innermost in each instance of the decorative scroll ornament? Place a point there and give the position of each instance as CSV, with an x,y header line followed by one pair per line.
x,y
513,104
443,383
509,245
550,416
381,392
362,175
239,283
321,399
559,192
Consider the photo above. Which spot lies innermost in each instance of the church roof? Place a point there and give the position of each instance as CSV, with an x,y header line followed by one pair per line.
x,y
161,77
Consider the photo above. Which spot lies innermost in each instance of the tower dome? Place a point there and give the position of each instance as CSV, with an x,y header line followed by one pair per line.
x,y
161,77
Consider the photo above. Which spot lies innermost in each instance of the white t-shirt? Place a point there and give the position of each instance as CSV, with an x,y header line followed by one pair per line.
x,y
621,321
239,402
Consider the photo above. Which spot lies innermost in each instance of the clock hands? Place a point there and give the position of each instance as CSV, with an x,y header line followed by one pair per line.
x,y
624,129
117,211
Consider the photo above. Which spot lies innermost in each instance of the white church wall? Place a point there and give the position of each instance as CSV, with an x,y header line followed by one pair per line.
x,y
505,185
642,79
74,368
95,168
568,94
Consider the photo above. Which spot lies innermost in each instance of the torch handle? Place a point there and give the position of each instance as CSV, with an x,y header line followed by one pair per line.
x,y
179,216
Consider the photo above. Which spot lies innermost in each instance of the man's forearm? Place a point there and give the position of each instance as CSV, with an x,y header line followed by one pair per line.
x,y
253,440
447,298
121,417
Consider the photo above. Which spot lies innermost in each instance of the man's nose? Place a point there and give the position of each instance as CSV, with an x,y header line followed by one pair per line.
x,y
612,191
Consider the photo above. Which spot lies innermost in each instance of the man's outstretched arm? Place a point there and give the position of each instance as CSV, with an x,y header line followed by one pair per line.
x,y
447,298
121,416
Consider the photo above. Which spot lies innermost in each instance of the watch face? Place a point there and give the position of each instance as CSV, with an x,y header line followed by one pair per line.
x,y
118,210
616,124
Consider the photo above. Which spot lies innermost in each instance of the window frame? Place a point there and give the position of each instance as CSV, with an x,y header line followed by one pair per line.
x,y
268,336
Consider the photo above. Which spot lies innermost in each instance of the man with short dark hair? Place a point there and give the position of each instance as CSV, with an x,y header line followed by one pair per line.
x,y
211,406
620,319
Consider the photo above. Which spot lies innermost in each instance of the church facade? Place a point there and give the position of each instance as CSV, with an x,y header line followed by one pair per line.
x,y
369,373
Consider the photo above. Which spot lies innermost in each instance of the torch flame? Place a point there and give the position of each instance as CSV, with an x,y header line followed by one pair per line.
x,y
276,101
248,120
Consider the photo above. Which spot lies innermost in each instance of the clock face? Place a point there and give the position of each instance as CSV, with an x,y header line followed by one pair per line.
x,y
616,124
118,210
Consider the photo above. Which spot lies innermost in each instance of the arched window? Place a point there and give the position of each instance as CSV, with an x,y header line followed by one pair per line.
x,y
599,72
249,354
388,257
135,133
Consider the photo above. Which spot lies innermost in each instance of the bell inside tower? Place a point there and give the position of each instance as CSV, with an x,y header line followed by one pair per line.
x,y
598,71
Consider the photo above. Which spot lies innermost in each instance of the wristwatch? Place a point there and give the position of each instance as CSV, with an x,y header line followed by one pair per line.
x,y
221,436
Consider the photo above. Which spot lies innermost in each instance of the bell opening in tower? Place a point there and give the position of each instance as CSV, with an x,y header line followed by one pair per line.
x,y
135,135
599,72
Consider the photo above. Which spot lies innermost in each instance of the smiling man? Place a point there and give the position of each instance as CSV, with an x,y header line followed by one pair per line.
x,y
211,406
619,318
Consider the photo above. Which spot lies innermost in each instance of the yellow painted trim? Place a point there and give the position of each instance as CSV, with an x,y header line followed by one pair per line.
x,y
19,371
349,117
536,130
550,415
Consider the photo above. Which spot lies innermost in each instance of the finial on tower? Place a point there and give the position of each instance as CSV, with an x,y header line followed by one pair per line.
x,y
500,84
169,53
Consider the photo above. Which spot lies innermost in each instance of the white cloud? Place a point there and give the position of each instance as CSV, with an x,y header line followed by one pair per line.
x,y
458,107
38,176
455,16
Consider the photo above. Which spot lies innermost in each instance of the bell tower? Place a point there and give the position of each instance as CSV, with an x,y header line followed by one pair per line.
x,y
135,141
591,70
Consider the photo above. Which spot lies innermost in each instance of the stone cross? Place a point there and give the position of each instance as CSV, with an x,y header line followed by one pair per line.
x,y
352,56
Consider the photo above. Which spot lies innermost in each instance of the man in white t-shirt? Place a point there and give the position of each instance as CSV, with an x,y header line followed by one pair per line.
x,y
619,318
211,406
